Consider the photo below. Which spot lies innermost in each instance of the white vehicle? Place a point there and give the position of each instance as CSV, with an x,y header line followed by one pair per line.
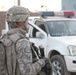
x,y
58,37
57,34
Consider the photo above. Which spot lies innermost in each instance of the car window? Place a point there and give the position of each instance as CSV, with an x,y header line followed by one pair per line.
x,y
40,25
62,28
32,31
57,28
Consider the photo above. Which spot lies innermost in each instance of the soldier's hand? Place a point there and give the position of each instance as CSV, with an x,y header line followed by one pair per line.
x,y
48,67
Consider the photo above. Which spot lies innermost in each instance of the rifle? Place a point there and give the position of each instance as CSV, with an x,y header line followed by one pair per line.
x,y
48,66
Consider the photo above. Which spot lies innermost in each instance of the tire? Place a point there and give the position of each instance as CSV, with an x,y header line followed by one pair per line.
x,y
59,67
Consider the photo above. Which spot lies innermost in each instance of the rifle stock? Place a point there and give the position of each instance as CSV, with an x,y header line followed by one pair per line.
x,y
41,51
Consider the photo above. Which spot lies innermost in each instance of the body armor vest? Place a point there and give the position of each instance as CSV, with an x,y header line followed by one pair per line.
x,y
9,53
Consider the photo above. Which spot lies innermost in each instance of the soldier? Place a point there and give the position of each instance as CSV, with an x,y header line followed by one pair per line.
x,y
19,54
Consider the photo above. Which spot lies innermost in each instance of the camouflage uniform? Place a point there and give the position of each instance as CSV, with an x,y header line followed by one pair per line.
x,y
24,64
18,51
24,57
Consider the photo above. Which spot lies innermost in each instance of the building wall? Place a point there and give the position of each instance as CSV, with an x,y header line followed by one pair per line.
x,y
2,21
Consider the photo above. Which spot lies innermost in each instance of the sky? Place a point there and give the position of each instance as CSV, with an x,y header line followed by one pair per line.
x,y
53,5
5,4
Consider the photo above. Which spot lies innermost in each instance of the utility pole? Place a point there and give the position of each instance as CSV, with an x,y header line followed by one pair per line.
x,y
2,7
18,2
15,2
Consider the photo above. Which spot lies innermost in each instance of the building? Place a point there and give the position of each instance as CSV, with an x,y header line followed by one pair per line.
x,y
2,21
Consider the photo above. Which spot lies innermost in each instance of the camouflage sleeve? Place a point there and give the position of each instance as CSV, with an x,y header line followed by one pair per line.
x,y
24,55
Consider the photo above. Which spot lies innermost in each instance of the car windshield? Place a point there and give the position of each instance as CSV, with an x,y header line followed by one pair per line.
x,y
62,28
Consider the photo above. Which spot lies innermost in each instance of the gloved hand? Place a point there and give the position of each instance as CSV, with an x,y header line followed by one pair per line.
x,y
46,60
48,67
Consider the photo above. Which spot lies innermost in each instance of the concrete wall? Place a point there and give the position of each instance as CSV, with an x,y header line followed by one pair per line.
x,y
2,21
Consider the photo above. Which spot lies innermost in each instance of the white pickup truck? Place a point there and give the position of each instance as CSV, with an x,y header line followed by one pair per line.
x,y
57,34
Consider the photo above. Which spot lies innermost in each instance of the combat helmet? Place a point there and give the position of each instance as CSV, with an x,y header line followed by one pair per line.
x,y
17,14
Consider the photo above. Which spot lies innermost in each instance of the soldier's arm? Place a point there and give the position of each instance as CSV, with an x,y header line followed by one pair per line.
x,y
24,57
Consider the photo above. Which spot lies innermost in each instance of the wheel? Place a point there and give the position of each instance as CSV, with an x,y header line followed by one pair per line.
x,y
59,67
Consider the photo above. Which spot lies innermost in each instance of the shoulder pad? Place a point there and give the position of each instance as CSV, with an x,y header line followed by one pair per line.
x,y
14,37
6,41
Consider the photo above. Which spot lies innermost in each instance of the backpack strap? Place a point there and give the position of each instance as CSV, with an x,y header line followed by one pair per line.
x,y
14,38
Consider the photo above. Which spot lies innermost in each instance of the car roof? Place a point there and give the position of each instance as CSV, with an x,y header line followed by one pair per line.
x,y
58,18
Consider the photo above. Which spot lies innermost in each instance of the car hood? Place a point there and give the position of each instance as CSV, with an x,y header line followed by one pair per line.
x,y
70,40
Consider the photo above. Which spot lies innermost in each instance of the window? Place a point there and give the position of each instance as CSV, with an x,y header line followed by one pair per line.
x,y
32,32
40,25
62,28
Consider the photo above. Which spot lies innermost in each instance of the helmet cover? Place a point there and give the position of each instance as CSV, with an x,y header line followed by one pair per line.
x,y
17,14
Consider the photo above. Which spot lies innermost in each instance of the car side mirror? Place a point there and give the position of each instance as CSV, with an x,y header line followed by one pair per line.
x,y
39,35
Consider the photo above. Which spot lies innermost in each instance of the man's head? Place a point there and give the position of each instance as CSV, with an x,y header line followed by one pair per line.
x,y
17,17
